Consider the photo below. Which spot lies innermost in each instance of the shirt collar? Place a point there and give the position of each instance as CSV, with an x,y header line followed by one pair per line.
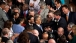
x,y
68,14
30,24
52,19
58,19
37,24
58,8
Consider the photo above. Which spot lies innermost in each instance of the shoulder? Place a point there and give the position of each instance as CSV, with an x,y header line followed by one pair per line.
x,y
62,19
9,41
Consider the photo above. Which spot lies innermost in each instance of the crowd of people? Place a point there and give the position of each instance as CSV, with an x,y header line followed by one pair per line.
x,y
37,21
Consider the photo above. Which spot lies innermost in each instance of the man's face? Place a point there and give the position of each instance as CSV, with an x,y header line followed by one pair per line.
x,y
65,10
17,15
51,15
57,4
6,9
38,21
32,13
16,10
32,20
60,32
56,17
69,28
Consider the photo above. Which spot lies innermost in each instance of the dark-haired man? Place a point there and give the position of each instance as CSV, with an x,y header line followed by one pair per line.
x,y
17,28
38,26
69,16
61,22
58,6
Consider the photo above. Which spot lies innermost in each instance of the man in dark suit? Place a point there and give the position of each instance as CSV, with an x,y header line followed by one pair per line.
x,y
50,20
58,6
69,16
61,22
48,2
32,38
60,37
15,16
69,32
30,21
38,26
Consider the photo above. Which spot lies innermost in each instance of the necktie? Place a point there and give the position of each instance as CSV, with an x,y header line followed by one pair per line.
x,y
66,17
24,14
39,11
41,28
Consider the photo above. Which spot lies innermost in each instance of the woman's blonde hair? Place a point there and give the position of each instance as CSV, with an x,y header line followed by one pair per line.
x,y
74,28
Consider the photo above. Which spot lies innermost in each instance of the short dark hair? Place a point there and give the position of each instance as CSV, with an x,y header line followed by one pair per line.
x,y
18,20
66,7
8,24
58,1
51,11
57,13
2,3
15,13
8,1
29,17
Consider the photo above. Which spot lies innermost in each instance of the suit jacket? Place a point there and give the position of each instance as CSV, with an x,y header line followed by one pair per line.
x,y
48,2
60,9
29,25
9,41
74,2
67,33
51,23
3,18
71,18
62,23
33,38
39,30
73,39
27,1
9,13
4,39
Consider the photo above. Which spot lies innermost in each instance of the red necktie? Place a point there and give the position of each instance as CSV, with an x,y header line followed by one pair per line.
x,y
24,14
39,11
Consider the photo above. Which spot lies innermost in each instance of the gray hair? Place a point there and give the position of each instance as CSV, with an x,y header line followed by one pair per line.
x,y
42,3
71,24
16,9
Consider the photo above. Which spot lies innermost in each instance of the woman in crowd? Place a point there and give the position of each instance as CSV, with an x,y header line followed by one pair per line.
x,y
73,40
8,25
23,38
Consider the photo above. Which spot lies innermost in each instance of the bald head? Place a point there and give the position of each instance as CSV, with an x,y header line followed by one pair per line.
x,y
60,31
51,41
35,32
